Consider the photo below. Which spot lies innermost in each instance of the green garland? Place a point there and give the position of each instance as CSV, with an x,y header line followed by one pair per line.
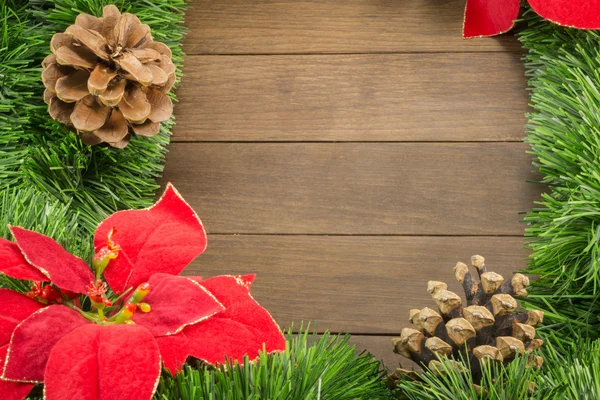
x,y
563,232
311,368
41,159
52,183
564,133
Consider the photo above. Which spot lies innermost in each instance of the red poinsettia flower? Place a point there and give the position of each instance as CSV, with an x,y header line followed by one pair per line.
x,y
84,341
493,17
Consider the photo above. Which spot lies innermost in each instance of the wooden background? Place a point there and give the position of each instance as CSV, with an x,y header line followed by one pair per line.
x,y
348,151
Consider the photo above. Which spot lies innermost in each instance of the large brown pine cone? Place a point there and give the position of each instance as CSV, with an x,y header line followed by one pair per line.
x,y
489,327
107,77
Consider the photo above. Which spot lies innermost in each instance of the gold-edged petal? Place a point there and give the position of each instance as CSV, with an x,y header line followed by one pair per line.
x,y
88,21
161,106
114,129
59,40
110,18
134,105
136,69
91,39
76,56
113,93
160,47
73,87
100,78
147,129
60,111
89,114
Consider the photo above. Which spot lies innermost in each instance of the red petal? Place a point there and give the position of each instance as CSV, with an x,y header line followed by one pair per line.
x,y
104,362
64,269
15,265
164,238
176,301
583,14
34,338
489,17
12,390
174,350
15,308
243,328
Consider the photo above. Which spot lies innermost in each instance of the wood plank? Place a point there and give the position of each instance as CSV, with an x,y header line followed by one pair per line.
x,y
331,26
381,348
348,283
414,97
355,188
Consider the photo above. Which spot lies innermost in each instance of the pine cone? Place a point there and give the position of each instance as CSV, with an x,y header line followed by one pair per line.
x,y
490,327
106,77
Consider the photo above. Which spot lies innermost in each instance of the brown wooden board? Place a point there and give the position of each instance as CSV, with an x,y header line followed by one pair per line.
x,y
349,283
381,348
409,97
355,188
331,26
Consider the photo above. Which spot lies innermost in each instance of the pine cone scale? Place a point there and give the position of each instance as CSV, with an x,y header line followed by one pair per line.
x,y
73,87
89,115
114,129
135,106
114,93
99,79
90,22
75,56
93,40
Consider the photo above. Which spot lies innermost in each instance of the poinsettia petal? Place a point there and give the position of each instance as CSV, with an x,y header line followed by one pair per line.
x,y
103,362
174,350
15,308
12,390
176,302
15,265
489,17
64,269
34,338
242,329
164,238
582,14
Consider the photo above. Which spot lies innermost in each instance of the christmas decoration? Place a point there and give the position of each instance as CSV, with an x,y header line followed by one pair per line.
x,y
493,17
489,327
86,337
107,78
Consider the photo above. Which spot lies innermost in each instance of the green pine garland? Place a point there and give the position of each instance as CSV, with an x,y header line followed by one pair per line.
x,y
311,368
564,133
42,159
50,182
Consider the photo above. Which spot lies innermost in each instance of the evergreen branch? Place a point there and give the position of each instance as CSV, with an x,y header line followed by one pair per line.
x,y
563,66
311,368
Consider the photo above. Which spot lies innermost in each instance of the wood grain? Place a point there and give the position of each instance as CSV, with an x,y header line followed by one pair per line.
x,y
355,188
348,283
415,97
331,26
381,348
